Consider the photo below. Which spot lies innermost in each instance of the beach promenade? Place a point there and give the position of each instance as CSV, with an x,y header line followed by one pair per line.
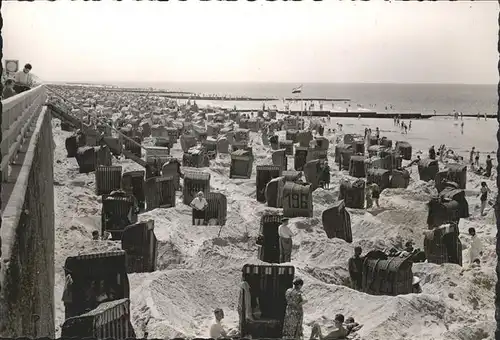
x,y
27,202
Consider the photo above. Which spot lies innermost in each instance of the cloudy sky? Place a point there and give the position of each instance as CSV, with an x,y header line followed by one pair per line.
x,y
329,41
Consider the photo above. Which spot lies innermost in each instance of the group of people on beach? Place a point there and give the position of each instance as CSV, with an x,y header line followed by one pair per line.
x,y
294,319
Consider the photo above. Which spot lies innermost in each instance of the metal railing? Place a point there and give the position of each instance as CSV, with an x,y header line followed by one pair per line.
x,y
19,112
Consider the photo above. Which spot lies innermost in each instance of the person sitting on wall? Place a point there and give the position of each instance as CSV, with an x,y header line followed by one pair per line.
x,y
23,80
8,89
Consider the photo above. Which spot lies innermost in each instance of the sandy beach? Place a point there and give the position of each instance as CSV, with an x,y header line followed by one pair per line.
x,y
198,271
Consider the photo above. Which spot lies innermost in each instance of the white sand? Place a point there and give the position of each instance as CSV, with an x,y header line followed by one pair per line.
x,y
198,271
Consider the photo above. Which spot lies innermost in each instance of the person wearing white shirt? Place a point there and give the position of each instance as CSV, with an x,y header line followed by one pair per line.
x,y
199,204
216,330
23,80
285,236
476,248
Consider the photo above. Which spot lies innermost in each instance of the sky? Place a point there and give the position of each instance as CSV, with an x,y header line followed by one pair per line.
x,y
261,41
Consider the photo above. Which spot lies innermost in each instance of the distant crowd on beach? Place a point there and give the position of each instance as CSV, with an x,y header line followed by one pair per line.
x,y
22,81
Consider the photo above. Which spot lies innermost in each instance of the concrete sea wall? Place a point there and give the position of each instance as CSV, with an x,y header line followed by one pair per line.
x,y
27,237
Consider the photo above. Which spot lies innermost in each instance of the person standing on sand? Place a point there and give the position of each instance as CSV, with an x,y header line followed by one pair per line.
x,y
432,152
476,248
217,330
484,196
199,204
8,90
355,265
294,312
285,236
375,193
368,196
489,166
476,159
471,155
325,175
462,128
413,162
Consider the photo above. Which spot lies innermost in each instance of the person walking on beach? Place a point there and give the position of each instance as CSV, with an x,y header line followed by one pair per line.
x,y
294,312
476,248
199,205
462,128
476,160
285,237
484,196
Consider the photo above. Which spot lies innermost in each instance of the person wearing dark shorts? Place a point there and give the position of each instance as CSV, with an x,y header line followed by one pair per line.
x,y
199,205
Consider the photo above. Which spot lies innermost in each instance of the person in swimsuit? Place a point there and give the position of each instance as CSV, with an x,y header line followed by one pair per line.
x,y
484,196
340,332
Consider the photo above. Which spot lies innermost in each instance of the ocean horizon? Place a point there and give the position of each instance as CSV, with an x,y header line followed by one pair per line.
x,y
417,97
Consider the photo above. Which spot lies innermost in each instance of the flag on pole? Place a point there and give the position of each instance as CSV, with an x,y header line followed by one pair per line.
x,y
297,89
